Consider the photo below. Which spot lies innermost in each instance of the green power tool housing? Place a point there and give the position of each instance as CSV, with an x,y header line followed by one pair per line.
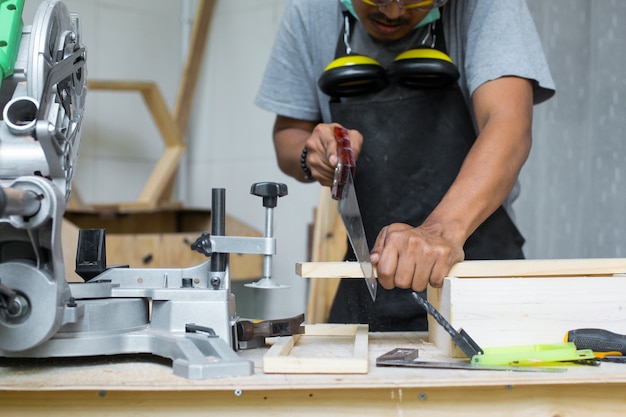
x,y
11,25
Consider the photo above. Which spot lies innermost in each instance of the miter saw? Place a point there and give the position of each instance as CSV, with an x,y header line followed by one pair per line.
x,y
187,314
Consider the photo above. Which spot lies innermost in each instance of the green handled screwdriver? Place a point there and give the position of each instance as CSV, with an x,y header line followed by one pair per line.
x,y
601,342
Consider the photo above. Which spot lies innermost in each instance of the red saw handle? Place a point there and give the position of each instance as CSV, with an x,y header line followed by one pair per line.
x,y
346,164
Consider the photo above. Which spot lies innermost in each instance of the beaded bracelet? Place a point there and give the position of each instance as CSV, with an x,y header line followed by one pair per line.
x,y
307,171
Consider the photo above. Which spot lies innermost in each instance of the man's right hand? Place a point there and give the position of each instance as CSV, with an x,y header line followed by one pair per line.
x,y
291,136
322,151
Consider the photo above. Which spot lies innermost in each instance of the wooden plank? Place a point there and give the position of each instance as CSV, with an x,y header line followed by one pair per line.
x,y
171,133
152,221
163,172
579,400
484,269
114,85
118,386
193,63
539,267
142,374
511,312
322,349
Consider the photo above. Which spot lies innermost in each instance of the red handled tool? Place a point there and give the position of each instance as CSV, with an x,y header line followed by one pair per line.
x,y
348,206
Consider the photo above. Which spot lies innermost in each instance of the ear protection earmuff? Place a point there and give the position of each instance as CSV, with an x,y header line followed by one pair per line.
x,y
423,68
351,75
354,75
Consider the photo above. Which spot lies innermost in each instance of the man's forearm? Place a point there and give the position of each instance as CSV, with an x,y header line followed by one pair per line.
x,y
494,162
289,139
484,182
289,144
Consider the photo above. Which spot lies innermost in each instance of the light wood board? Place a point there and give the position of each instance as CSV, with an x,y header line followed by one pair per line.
x,y
499,312
111,386
484,269
322,349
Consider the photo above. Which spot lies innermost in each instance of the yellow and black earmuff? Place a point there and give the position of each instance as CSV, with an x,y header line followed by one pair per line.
x,y
423,68
352,75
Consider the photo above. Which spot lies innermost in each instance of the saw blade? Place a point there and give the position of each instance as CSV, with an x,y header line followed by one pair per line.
x,y
348,207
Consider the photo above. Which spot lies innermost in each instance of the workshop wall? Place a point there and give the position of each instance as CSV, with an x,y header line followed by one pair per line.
x,y
573,184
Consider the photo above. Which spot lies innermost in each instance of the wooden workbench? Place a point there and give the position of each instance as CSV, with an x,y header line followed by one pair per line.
x,y
145,385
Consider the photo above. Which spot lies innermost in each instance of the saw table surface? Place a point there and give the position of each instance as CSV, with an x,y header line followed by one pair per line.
x,y
145,385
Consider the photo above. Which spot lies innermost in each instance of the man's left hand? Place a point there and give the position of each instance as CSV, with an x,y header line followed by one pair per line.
x,y
413,257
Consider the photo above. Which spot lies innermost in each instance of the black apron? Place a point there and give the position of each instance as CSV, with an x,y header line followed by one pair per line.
x,y
414,145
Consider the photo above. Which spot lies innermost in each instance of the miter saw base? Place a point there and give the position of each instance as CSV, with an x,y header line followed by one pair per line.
x,y
115,326
194,355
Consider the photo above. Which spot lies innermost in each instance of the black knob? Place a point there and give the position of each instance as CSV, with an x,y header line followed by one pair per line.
x,y
270,191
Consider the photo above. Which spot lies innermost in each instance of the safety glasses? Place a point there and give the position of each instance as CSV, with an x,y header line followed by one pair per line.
x,y
408,4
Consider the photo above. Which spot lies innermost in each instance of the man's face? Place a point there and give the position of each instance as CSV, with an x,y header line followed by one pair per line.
x,y
388,23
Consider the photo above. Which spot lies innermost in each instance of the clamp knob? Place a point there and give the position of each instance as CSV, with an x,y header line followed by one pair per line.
x,y
270,191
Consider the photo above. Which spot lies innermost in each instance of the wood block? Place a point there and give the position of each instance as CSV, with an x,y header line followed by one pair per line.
x,y
322,349
521,311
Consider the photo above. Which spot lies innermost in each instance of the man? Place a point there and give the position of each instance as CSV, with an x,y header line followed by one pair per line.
x,y
437,161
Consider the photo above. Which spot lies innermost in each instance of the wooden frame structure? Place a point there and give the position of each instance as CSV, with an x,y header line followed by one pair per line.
x,y
173,126
516,302
322,340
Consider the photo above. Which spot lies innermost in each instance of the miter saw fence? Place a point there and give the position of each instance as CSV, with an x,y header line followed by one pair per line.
x,y
186,314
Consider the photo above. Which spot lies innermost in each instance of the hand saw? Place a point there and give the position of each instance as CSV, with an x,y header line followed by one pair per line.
x,y
348,206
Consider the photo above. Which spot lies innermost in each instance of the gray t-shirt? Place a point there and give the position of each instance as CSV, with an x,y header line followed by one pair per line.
x,y
486,39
